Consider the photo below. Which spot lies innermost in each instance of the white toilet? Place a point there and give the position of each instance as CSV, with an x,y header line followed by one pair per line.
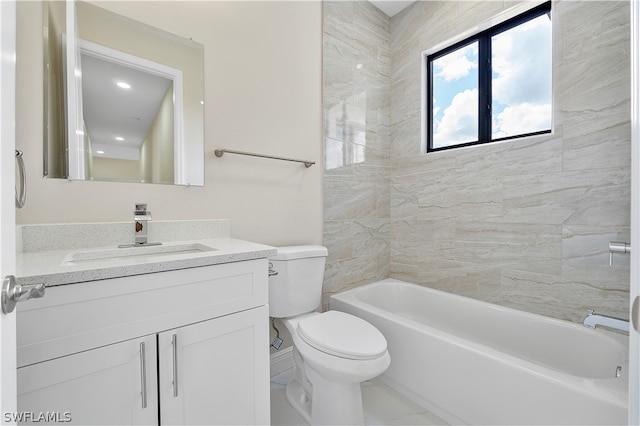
x,y
333,351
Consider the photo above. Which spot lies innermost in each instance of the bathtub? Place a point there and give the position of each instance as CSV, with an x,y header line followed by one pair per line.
x,y
471,362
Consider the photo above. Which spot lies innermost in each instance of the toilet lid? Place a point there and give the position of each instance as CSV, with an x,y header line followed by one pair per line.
x,y
340,334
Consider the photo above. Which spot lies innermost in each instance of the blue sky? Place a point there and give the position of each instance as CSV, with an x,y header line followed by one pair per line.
x,y
521,86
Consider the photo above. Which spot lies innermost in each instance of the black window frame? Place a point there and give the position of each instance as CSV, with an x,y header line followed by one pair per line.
x,y
484,79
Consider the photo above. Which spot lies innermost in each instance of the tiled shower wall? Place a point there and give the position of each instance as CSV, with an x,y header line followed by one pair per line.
x,y
356,89
524,224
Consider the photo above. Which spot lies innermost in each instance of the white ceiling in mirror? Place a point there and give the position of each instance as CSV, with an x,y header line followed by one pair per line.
x,y
110,111
391,7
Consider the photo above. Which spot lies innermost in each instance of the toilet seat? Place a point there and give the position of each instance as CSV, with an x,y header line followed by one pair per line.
x,y
340,334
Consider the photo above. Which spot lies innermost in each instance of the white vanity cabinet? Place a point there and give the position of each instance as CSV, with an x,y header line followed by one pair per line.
x,y
215,364
115,384
205,360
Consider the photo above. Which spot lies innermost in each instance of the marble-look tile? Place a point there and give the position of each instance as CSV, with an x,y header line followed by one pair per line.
x,y
371,237
406,165
349,273
466,279
587,247
404,199
357,193
339,238
565,297
404,272
406,132
527,247
524,223
605,148
462,197
532,155
580,89
349,199
606,32
593,197
416,239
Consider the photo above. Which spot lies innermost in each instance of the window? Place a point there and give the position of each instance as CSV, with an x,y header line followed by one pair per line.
x,y
508,97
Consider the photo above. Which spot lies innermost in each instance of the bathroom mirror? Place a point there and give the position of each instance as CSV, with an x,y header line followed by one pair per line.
x,y
123,100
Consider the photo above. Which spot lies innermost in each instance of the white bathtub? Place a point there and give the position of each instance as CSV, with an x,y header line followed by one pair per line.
x,y
473,362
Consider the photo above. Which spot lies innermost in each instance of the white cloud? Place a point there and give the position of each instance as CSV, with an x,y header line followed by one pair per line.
x,y
456,64
522,118
459,123
521,62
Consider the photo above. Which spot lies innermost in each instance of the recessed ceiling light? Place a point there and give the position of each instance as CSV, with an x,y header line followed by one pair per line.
x,y
123,85
99,152
119,138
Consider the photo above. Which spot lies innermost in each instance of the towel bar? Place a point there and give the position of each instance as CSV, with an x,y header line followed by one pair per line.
x,y
220,153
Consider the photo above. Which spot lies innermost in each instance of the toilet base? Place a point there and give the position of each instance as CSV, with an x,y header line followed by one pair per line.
x,y
332,403
335,403
299,399
320,401
299,390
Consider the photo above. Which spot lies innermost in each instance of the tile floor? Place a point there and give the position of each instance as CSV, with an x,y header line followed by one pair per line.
x,y
382,406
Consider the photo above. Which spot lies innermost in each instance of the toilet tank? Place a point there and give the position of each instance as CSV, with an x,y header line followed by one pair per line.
x,y
297,287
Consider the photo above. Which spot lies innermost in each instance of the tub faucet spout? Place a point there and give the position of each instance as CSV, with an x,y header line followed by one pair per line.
x,y
593,319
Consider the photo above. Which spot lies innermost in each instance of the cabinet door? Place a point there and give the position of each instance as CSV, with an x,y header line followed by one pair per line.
x,y
115,384
216,372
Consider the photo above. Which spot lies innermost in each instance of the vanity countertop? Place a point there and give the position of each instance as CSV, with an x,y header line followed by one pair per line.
x,y
52,267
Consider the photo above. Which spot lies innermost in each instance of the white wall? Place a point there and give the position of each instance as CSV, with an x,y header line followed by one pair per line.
x,y
263,65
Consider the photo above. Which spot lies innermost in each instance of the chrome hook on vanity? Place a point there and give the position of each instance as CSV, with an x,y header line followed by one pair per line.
x,y
272,272
618,247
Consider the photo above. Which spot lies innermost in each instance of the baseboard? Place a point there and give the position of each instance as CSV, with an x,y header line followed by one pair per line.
x,y
281,361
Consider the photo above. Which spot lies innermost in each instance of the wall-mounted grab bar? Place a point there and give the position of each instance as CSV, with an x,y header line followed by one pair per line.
x,y
221,152
21,194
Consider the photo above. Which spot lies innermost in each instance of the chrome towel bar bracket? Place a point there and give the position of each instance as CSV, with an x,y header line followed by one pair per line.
x,y
221,152
618,247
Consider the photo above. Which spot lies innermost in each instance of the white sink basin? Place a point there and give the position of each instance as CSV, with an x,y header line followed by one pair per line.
x,y
139,252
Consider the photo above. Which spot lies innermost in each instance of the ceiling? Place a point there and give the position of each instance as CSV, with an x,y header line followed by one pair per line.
x,y
391,7
111,112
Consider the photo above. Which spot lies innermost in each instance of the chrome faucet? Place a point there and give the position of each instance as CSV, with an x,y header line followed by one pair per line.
x,y
594,319
141,216
141,219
